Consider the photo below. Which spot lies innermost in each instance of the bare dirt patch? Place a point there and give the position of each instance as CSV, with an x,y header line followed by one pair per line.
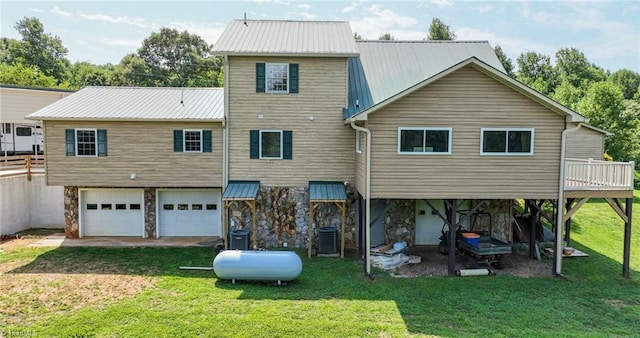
x,y
434,264
29,290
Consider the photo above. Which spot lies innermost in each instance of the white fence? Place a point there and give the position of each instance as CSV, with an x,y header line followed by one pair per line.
x,y
598,175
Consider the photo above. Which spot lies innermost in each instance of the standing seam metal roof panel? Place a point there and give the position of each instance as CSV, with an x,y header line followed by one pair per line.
x,y
389,67
270,37
137,103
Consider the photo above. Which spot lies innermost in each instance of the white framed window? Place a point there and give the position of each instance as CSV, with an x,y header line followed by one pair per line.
x,y
86,142
358,141
277,78
271,144
192,139
506,141
424,140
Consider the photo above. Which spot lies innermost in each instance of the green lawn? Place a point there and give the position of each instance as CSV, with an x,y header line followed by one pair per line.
x,y
331,298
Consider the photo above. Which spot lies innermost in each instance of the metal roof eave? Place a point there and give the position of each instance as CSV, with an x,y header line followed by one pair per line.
x,y
490,71
285,54
102,119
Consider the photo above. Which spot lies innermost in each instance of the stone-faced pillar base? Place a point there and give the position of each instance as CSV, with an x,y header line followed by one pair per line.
x,y
71,225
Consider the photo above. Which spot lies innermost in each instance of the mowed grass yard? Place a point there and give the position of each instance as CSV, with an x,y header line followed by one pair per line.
x,y
140,292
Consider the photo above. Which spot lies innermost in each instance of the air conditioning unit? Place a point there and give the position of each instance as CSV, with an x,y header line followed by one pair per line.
x,y
239,240
328,240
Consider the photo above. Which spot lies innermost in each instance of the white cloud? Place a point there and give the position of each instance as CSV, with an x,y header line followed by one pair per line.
x,y
510,45
139,22
133,42
210,32
36,10
375,21
57,11
483,9
279,2
304,7
442,3
351,7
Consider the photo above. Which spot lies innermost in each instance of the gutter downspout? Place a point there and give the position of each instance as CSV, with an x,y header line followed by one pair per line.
x,y
367,199
225,126
557,267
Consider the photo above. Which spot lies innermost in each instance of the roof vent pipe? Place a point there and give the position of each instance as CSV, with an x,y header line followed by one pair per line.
x,y
245,19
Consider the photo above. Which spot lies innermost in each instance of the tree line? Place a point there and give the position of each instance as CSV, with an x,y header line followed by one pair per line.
x,y
611,100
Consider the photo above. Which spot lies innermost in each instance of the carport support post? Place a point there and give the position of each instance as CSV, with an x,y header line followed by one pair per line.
x,y
533,228
567,224
451,218
627,239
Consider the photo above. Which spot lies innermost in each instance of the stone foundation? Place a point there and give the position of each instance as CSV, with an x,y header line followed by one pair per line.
x,y
71,212
150,212
501,212
400,221
282,216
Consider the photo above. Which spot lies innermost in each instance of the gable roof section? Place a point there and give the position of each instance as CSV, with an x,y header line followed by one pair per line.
x,y
137,103
386,68
286,38
497,74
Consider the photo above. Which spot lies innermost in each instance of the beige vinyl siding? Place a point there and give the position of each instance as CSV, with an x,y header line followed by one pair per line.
x,y
585,143
144,148
465,101
323,148
16,103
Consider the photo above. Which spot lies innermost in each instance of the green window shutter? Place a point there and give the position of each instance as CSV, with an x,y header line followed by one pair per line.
x,y
207,142
254,144
260,77
293,78
102,142
287,145
70,138
177,141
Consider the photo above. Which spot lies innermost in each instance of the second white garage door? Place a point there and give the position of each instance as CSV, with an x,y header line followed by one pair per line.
x,y
189,212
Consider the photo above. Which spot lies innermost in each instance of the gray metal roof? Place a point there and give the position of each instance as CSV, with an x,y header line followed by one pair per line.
x,y
320,191
241,190
270,37
386,68
137,103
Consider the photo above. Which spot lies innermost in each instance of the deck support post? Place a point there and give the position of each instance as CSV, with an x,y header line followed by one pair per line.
x,y
451,219
627,238
567,223
533,228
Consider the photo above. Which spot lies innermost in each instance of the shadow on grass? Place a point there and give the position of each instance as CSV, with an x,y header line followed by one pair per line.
x,y
592,293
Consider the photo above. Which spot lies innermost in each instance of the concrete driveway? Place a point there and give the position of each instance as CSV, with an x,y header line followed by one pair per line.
x,y
59,240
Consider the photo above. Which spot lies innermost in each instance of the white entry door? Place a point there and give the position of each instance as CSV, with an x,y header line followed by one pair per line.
x,y
189,212
111,212
428,225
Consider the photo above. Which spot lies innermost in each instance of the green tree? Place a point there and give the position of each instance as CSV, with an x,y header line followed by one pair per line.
x,y
134,71
606,108
535,70
572,65
40,49
438,30
25,76
386,37
505,60
628,80
357,36
84,74
567,94
8,48
180,59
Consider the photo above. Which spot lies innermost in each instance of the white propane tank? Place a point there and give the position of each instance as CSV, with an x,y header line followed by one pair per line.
x,y
280,266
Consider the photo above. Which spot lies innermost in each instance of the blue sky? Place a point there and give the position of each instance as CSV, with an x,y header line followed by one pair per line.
x,y
607,32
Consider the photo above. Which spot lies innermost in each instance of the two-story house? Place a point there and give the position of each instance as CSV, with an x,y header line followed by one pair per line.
x,y
385,140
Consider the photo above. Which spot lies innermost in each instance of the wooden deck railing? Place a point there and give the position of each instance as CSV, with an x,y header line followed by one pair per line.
x,y
598,175
21,165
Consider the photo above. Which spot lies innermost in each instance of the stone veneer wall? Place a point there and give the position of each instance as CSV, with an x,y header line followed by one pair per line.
x,y
400,221
282,216
501,212
150,212
71,212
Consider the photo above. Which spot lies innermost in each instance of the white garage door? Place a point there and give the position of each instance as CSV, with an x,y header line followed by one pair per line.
x,y
112,212
189,212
